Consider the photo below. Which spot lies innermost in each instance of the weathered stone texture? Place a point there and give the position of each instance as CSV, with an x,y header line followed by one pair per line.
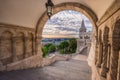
x,y
111,39
16,45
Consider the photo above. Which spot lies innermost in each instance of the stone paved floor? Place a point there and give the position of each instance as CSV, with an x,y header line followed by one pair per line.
x,y
73,69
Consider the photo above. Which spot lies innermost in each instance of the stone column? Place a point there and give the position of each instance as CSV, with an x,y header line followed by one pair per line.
x,y
96,53
100,55
113,65
33,42
26,47
78,46
0,49
14,39
118,74
108,58
38,45
1,64
0,56
104,63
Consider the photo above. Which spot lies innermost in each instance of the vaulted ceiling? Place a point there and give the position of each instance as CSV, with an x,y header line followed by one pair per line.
x,y
27,12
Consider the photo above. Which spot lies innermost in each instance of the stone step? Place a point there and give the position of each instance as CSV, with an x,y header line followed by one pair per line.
x,y
68,74
60,70
71,63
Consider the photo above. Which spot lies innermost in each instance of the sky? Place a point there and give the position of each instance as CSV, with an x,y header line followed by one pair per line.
x,y
65,24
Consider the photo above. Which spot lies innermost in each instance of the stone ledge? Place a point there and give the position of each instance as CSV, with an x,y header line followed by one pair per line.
x,y
31,62
5,25
114,8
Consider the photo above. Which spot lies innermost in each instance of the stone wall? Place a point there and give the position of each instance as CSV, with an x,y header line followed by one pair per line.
x,y
107,65
17,47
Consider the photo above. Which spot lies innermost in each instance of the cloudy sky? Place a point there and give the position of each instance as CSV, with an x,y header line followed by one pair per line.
x,y
65,23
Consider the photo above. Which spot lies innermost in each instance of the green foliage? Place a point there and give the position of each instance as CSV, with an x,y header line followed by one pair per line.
x,y
51,48
48,45
72,45
64,51
63,45
45,51
48,48
68,47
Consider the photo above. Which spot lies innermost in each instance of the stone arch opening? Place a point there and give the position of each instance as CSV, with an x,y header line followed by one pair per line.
x,y
60,7
68,24
115,49
105,52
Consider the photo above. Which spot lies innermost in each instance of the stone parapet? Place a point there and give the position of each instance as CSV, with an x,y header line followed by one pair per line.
x,y
17,48
31,62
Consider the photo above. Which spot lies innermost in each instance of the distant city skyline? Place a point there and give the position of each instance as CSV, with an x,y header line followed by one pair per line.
x,y
65,24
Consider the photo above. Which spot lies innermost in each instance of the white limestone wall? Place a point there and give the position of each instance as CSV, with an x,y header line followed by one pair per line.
x,y
91,61
91,55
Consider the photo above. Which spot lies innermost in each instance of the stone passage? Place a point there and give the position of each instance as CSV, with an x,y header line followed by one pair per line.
x,y
60,70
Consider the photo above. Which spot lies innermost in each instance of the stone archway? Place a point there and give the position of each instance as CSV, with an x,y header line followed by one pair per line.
x,y
115,52
105,52
60,7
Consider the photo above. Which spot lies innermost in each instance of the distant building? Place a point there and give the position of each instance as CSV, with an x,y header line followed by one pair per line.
x,y
83,34
82,27
85,37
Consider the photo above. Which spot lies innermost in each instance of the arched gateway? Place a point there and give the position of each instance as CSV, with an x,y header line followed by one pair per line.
x,y
60,7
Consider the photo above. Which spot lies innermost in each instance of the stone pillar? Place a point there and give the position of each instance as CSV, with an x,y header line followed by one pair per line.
x,y
100,55
14,39
108,58
26,47
113,65
118,74
104,63
78,46
38,45
33,46
0,56
96,51
0,49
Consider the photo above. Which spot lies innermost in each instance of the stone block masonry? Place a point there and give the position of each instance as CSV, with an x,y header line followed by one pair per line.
x,y
17,48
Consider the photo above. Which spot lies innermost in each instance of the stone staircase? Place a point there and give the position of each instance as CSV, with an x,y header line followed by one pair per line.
x,y
59,70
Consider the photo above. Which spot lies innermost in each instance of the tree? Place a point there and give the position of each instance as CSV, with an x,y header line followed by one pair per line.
x,y
45,51
72,45
48,45
51,48
63,45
